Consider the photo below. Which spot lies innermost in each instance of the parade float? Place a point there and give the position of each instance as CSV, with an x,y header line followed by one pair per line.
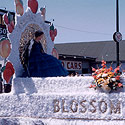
x,y
97,99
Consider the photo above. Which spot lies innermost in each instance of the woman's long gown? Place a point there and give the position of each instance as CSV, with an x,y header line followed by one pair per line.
x,y
41,64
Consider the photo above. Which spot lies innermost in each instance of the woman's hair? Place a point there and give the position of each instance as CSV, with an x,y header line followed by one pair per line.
x,y
38,33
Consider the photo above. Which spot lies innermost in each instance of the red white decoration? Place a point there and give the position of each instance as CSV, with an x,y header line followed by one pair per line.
x,y
19,7
33,5
8,20
53,32
55,53
8,72
43,12
5,18
5,47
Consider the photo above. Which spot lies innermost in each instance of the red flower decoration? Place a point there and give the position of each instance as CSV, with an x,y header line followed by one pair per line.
x,y
94,76
110,68
116,69
94,86
103,62
91,86
117,77
93,69
120,85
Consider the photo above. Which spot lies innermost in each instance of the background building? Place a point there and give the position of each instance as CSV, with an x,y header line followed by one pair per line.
x,y
90,54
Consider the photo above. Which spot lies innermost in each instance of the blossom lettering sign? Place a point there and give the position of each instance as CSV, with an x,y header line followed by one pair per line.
x,y
88,107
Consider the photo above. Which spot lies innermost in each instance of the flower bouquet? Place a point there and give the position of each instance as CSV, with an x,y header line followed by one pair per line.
x,y
105,78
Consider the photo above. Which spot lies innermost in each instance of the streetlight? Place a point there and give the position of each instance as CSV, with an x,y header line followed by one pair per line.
x,y
117,36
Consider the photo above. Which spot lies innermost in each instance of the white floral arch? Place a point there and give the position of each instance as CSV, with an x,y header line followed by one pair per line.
x,y
24,27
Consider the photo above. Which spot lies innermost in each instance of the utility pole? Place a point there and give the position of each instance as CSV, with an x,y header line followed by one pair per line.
x,y
117,35
117,30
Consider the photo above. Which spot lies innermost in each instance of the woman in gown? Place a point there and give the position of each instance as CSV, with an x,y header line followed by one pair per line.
x,y
41,64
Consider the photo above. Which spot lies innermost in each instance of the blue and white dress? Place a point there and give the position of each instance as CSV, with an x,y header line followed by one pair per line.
x,y
41,64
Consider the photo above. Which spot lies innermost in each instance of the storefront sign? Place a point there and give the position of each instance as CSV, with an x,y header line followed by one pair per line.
x,y
3,31
72,65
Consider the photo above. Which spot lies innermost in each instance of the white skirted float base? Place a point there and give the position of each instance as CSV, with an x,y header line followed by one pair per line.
x,y
61,101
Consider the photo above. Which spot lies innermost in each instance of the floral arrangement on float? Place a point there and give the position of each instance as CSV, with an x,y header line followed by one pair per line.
x,y
106,79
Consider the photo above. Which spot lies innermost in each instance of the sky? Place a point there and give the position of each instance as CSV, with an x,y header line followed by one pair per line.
x,y
80,20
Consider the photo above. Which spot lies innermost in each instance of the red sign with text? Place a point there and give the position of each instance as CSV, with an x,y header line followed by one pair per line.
x,y
72,65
